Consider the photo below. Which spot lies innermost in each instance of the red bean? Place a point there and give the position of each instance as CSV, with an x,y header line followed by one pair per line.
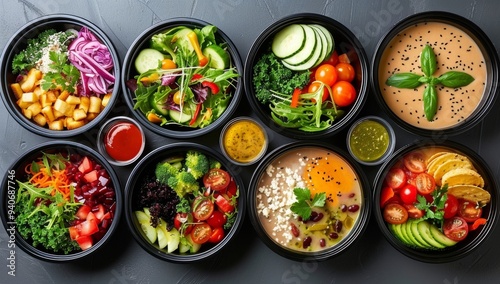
x,y
295,230
353,208
322,243
307,242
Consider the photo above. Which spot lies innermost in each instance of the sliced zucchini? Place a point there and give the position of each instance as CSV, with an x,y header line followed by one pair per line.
x,y
307,51
180,117
148,59
289,41
219,58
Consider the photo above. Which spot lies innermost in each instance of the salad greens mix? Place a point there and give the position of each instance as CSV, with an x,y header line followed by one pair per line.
x,y
185,77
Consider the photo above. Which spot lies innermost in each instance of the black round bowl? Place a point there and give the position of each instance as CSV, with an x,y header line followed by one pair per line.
x,y
19,41
17,172
491,61
129,72
146,167
253,192
474,239
345,42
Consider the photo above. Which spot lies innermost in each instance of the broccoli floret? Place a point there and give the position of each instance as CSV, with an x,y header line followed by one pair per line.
x,y
196,164
164,171
183,183
215,164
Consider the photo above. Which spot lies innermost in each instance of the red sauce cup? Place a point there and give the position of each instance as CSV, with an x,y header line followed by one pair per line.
x,y
121,141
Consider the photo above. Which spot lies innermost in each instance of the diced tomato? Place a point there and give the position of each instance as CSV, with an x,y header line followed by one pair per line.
x,y
85,166
85,242
224,204
91,176
91,216
99,213
386,194
82,212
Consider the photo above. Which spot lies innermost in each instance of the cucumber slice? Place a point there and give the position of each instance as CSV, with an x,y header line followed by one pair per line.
x,y
180,38
307,51
194,247
417,241
162,238
313,59
173,239
219,58
441,238
289,41
329,38
324,45
180,117
424,228
158,106
149,232
184,245
148,59
396,230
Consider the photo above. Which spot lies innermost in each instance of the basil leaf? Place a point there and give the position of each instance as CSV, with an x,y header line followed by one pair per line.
x,y
430,102
455,79
404,80
428,61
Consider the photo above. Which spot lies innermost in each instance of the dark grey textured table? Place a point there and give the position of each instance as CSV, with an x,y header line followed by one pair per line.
x,y
247,259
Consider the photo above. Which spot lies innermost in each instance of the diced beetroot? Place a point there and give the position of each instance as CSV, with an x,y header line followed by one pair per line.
x,y
85,166
105,223
85,242
82,212
91,176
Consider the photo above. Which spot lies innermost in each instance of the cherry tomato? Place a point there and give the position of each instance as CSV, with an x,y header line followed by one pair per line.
x,y
313,87
469,211
201,233
202,208
327,74
415,162
178,97
333,59
344,93
425,183
450,206
232,188
217,235
395,213
216,179
217,219
345,72
413,211
181,219
395,178
408,194
455,228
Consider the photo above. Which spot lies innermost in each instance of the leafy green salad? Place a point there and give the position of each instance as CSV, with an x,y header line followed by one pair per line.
x,y
186,77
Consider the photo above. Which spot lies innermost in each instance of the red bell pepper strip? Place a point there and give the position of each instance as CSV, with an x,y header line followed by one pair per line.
x,y
224,204
477,223
196,113
295,97
213,87
196,77
386,194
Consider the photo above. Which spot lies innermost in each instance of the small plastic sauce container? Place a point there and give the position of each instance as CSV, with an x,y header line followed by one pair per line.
x,y
243,141
371,140
121,141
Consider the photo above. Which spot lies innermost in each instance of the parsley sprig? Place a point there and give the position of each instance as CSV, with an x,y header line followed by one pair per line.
x,y
64,75
304,204
434,211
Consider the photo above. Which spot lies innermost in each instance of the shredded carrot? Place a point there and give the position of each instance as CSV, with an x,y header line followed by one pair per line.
x,y
56,179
